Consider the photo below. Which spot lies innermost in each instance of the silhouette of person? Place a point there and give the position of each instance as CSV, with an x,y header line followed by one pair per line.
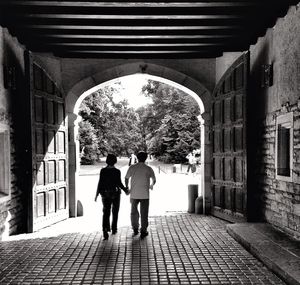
x,y
132,159
109,186
192,162
140,176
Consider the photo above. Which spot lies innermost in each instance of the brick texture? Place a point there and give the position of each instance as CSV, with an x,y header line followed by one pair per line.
x,y
180,249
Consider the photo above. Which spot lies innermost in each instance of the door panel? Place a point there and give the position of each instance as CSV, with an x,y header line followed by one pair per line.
x,y
48,198
229,190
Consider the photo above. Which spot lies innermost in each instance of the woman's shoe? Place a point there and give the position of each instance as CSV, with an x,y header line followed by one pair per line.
x,y
105,235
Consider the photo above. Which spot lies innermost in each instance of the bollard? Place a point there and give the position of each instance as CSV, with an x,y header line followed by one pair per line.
x,y
79,209
207,206
192,196
174,168
199,205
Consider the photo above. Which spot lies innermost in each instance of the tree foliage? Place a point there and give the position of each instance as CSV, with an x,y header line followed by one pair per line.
x,y
114,124
168,127
174,129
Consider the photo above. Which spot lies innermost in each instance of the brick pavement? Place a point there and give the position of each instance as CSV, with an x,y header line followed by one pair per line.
x,y
180,249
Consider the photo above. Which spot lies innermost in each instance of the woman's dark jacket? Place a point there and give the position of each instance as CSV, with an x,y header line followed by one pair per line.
x,y
110,183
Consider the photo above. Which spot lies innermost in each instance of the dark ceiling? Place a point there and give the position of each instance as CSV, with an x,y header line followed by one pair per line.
x,y
139,29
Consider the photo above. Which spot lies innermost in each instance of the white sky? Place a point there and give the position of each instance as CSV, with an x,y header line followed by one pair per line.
x,y
132,87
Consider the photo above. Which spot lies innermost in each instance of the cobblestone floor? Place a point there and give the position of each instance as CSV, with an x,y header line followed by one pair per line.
x,y
180,249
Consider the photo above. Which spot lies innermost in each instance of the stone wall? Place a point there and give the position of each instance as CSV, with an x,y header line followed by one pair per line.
x,y
76,70
279,200
12,210
224,62
4,125
52,66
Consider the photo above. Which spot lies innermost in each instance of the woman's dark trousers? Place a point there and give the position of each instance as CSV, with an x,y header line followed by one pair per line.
x,y
108,204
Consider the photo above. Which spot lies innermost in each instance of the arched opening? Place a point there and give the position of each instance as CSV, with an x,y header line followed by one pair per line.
x,y
148,76
173,78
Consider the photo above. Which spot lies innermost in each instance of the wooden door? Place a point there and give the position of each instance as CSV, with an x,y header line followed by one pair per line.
x,y
228,136
48,197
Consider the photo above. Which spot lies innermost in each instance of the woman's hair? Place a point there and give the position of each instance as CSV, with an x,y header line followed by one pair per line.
x,y
111,159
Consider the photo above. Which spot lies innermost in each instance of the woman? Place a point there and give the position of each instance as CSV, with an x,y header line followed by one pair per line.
x,y
109,186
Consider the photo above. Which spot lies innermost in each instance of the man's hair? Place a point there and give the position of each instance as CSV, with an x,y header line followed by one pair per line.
x,y
142,156
111,159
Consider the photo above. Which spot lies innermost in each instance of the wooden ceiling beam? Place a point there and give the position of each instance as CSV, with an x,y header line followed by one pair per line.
x,y
163,11
93,38
123,39
128,5
74,17
139,29
125,27
97,32
136,46
153,48
131,20
139,54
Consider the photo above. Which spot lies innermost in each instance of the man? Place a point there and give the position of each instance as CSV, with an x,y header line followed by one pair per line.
x,y
140,176
192,162
132,159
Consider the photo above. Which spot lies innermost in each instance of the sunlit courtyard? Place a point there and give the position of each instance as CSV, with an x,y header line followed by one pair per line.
x,y
170,194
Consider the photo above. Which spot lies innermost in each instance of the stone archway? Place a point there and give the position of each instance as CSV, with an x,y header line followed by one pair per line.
x,y
79,91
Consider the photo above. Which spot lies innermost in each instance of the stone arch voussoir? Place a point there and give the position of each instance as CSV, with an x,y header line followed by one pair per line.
x,y
74,96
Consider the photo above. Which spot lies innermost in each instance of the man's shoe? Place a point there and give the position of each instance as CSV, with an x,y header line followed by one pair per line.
x,y
105,235
144,234
135,232
114,232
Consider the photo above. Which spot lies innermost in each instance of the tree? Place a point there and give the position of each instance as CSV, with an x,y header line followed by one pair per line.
x,y
168,127
174,128
115,125
88,142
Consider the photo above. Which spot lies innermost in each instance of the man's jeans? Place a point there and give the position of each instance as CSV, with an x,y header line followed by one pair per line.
x,y
144,209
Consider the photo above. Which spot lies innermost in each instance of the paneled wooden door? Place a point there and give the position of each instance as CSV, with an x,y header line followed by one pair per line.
x,y
228,136
49,195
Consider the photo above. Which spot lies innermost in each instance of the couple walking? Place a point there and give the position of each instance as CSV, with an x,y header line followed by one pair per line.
x,y
141,178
